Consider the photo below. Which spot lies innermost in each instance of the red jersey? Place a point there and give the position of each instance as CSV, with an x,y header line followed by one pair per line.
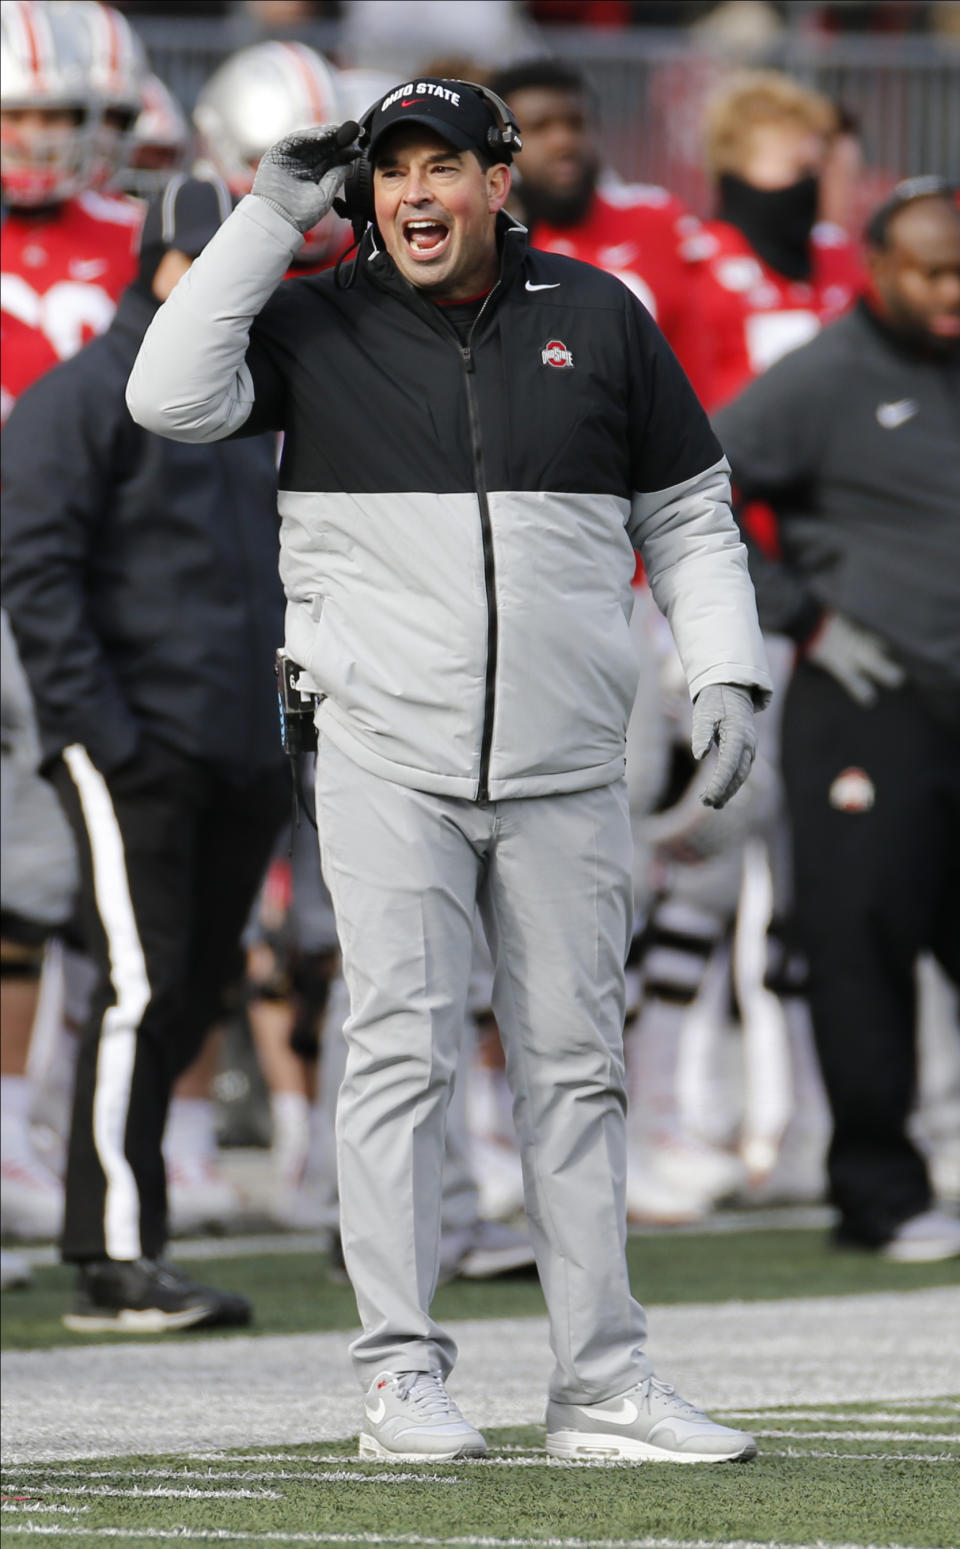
x,y
62,277
750,314
639,233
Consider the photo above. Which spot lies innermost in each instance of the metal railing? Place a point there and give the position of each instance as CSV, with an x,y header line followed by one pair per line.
x,y
651,85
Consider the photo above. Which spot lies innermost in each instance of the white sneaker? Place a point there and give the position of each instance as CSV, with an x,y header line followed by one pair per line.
x,y
678,1180
649,1423
31,1199
411,1418
199,1197
499,1176
653,1200
14,1270
705,1170
496,1249
924,1239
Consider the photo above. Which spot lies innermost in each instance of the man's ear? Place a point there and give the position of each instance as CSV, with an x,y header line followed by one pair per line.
x,y
499,179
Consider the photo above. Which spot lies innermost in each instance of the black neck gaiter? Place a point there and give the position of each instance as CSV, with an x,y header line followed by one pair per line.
x,y
777,222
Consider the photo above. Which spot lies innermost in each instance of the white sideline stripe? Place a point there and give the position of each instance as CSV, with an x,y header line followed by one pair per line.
x,y
156,1491
949,1436
118,1034
142,1402
390,1476
531,1455
416,1540
868,1418
862,1457
22,1506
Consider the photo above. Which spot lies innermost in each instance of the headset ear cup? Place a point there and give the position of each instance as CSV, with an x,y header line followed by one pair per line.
x,y
355,200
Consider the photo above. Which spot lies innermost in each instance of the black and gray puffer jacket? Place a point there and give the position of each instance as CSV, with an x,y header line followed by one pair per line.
x,y
459,521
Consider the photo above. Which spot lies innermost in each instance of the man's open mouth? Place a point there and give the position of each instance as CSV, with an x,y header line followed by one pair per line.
x,y
426,237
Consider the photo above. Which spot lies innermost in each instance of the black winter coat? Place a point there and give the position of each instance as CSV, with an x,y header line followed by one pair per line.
x,y
140,576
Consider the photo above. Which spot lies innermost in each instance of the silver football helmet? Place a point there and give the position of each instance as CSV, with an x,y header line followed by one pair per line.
x,y
117,66
359,90
159,143
256,97
49,112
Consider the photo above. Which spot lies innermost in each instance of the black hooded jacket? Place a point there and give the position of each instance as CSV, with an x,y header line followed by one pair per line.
x,y
139,575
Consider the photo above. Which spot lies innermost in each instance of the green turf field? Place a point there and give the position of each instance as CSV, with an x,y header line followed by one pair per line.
x,y
829,1475
293,1293
861,1475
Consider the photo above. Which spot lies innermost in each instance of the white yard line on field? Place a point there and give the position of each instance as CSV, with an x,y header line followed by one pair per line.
x,y
34,1506
191,1394
949,1436
907,1411
326,1476
417,1540
862,1457
157,1491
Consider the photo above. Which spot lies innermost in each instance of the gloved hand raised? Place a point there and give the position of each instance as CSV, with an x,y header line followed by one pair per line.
x,y
855,656
723,713
301,175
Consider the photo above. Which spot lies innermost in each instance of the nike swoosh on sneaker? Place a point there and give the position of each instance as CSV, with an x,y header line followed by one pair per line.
x,y
890,415
376,1412
555,285
624,1414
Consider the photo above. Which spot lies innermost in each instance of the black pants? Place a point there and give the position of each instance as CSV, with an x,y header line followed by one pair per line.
x,y
874,799
171,855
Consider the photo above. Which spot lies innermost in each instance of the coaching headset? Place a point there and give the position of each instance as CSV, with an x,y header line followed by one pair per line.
x,y
500,142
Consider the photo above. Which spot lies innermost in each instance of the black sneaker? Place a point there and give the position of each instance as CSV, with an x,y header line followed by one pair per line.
x,y
147,1296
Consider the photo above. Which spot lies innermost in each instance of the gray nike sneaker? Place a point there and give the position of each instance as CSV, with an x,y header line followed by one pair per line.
x,y
648,1424
411,1418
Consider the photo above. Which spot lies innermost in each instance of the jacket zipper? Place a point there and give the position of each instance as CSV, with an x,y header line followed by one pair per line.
x,y
489,565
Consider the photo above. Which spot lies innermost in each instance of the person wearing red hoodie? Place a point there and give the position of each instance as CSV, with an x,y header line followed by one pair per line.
x,y
766,274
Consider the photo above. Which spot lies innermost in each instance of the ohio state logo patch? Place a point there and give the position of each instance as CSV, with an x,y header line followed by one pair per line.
x,y
853,791
555,353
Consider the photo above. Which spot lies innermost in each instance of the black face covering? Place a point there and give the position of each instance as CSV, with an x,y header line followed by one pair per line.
x,y
777,222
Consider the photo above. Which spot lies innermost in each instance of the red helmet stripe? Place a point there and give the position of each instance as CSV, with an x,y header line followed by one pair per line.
x,y
305,66
113,39
33,22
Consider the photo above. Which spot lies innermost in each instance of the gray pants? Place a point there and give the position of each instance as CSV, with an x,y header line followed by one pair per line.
x,y
552,876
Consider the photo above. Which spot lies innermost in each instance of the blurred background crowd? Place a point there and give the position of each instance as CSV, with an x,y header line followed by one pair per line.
x,y
721,159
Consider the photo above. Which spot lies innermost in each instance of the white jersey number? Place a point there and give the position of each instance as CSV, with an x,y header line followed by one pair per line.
x,y
67,314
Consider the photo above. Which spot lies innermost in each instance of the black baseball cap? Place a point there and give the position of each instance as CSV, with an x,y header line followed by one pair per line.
x,y
456,110
186,214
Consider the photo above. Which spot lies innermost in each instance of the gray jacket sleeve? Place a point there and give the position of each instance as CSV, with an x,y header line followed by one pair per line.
x,y
773,435
697,569
190,381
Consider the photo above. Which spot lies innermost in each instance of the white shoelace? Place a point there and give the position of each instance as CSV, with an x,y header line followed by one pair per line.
x,y
425,1390
654,1386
